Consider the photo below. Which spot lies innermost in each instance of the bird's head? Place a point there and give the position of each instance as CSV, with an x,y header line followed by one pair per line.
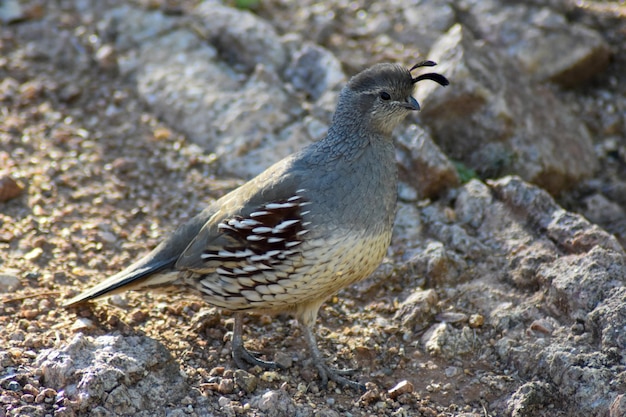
x,y
381,95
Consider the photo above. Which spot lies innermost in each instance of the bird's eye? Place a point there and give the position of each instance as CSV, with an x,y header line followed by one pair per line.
x,y
385,96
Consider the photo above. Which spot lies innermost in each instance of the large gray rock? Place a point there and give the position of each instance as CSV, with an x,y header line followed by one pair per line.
x,y
114,375
548,283
496,121
545,43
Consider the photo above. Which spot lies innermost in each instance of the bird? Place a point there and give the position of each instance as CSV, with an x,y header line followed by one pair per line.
x,y
313,223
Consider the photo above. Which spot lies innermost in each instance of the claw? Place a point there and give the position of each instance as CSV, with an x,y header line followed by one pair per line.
x,y
325,372
241,355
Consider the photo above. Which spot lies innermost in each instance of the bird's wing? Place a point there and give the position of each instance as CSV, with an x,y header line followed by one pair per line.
x,y
255,227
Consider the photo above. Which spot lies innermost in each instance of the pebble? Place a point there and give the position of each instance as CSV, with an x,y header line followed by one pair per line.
x,y
47,395
401,387
541,326
8,282
476,320
218,370
283,359
82,324
226,386
270,376
28,398
245,380
14,386
452,371
370,396
33,254
30,389
9,189
452,317
30,313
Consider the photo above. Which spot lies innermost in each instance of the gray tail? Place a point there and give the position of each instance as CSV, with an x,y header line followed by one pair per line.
x,y
155,269
136,276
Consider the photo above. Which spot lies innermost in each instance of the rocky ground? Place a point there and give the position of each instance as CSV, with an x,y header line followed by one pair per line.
x,y
503,293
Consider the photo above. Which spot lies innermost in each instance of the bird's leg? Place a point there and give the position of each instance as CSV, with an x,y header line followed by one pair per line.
x,y
325,371
241,355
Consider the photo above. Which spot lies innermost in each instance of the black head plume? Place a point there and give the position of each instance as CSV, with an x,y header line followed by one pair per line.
x,y
438,78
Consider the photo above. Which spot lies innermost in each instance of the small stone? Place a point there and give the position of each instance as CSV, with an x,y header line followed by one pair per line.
x,y
29,313
434,338
269,376
8,282
283,359
245,380
370,396
476,321
223,401
162,133
452,317
28,398
401,387
106,56
107,237
30,389
14,386
226,386
541,326
33,254
46,394
118,301
11,11
9,189
138,316
218,370
452,371
82,324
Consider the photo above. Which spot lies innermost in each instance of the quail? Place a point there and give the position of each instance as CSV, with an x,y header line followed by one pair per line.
x,y
310,225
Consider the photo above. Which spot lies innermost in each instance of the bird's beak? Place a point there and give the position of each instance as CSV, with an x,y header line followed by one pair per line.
x,y
412,104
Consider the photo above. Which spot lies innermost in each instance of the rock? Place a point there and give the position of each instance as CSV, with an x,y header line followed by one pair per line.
x,y
496,121
246,381
119,374
618,407
283,359
422,164
578,283
276,403
11,11
199,95
9,189
226,386
81,324
418,309
476,321
434,338
600,210
243,39
529,398
314,70
548,45
402,387
8,282
606,321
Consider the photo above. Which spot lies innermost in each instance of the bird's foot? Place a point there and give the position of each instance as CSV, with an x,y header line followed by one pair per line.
x,y
244,358
337,375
